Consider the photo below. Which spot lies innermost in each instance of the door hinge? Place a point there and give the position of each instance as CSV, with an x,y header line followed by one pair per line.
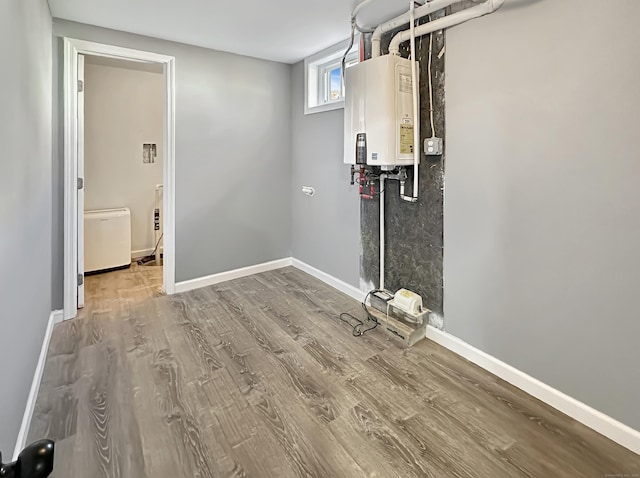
x,y
80,183
80,279
80,86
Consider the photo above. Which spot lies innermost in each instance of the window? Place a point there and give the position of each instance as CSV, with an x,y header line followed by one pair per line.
x,y
323,77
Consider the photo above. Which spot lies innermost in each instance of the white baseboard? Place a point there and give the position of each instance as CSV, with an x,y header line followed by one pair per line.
x,y
58,316
230,275
143,253
598,421
54,318
334,282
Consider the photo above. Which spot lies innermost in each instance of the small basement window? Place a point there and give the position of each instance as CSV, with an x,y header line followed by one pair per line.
x,y
323,77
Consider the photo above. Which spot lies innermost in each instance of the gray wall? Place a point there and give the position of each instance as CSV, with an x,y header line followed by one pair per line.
x,y
541,261
325,227
25,209
233,149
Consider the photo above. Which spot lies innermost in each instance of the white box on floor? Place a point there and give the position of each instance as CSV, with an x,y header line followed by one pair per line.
x,y
107,239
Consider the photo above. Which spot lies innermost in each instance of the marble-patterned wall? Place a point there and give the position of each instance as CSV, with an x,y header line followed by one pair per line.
x,y
414,232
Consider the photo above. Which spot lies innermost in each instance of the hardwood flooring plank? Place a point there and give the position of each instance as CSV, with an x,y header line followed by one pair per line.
x,y
195,456
201,298
243,365
374,445
223,427
321,394
401,376
313,397
192,346
450,451
215,318
64,447
386,400
536,421
311,450
159,451
315,324
142,332
331,353
259,377
55,414
262,457
489,425
324,305
234,428
55,411
107,431
327,359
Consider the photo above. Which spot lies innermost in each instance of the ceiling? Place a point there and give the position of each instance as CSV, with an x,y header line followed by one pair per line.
x,y
279,30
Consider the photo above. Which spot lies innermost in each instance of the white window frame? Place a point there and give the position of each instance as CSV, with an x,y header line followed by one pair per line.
x,y
317,86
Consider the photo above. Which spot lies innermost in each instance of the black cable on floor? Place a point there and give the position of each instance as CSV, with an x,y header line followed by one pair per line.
x,y
357,330
151,257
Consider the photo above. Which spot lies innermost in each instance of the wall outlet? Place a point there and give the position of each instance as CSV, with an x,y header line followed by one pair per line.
x,y
433,146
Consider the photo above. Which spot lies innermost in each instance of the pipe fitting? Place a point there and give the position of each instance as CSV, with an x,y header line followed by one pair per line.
x,y
404,197
489,6
420,12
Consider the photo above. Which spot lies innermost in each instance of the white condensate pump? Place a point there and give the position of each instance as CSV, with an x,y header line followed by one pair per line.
x,y
379,113
408,302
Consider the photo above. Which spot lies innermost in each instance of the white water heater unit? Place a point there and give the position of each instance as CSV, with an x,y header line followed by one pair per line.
x,y
378,113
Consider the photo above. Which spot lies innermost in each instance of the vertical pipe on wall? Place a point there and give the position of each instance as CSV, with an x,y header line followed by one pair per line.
x,y
383,177
416,106
416,113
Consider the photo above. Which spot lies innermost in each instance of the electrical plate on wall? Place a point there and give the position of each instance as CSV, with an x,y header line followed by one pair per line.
x,y
149,153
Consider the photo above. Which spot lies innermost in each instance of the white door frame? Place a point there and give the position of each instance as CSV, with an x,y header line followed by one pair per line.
x,y
72,48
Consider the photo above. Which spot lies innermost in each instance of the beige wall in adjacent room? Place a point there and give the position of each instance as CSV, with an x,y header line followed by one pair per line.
x,y
124,108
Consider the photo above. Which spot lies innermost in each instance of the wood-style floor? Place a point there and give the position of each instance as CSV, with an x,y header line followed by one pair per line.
x,y
258,377
112,292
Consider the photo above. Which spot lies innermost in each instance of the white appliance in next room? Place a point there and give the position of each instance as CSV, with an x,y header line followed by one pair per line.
x,y
107,239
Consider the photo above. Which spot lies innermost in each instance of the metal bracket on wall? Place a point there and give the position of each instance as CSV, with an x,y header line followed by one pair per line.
x,y
80,279
80,183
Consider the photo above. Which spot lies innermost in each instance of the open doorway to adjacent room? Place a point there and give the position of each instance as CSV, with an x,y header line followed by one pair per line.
x,y
123,178
119,176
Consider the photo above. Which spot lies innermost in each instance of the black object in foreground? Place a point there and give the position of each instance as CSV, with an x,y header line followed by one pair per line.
x,y
35,461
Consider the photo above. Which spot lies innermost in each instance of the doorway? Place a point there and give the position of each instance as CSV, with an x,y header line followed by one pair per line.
x,y
119,173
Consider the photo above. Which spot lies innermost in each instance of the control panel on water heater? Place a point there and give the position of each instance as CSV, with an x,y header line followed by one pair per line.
x,y
378,112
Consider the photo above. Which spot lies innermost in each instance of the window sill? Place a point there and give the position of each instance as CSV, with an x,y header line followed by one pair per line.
x,y
337,105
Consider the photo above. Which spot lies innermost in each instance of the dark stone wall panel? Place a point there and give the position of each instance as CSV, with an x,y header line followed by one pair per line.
x,y
414,232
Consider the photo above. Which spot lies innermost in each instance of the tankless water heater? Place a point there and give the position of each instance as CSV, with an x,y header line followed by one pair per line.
x,y
378,113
